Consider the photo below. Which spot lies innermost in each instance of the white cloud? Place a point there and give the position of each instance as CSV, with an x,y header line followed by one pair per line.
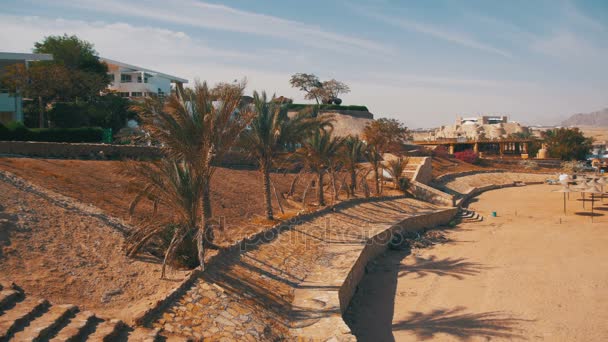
x,y
574,14
220,17
451,36
568,45
139,45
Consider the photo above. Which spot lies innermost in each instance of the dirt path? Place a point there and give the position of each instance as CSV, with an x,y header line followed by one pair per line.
x,y
521,275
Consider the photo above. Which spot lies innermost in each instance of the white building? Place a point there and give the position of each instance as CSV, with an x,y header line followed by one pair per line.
x,y
132,81
11,104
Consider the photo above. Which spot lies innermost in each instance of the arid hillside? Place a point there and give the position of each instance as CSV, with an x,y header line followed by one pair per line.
x,y
236,194
594,119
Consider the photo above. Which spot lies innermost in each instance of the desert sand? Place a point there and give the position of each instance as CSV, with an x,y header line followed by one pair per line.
x,y
531,273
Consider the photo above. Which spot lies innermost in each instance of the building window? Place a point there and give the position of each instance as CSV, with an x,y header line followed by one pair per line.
x,y
136,94
123,94
125,78
112,77
161,93
139,79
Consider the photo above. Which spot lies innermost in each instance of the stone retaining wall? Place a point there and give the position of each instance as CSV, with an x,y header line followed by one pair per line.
x,y
77,150
452,175
321,284
429,194
102,151
424,171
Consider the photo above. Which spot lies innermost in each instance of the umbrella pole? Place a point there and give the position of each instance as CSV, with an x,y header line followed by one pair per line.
x,y
582,193
592,207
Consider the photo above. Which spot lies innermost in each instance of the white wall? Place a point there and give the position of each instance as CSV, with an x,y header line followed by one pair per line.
x,y
154,83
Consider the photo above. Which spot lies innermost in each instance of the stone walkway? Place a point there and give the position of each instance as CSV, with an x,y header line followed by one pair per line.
x,y
249,296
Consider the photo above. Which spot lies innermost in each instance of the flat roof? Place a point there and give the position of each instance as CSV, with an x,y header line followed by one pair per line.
x,y
136,68
17,56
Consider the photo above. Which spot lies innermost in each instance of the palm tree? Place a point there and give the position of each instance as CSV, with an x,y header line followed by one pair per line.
x,y
318,152
395,168
374,157
269,133
353,152
174,186
197,128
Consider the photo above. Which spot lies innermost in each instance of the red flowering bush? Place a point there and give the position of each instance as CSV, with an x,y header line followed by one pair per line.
x,y
467,156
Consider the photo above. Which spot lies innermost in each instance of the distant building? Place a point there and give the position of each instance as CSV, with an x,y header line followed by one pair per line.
x,y
11,105
482,120
133,82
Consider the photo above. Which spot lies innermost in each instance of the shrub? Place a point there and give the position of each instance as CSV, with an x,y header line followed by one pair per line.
x,y
573,166
404,184
18,132
300,106
467,156
529,164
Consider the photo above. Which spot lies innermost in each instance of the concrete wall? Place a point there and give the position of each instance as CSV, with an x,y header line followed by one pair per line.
x,y
378,244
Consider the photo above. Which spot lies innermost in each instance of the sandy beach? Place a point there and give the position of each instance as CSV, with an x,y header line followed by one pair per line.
x,y
531,273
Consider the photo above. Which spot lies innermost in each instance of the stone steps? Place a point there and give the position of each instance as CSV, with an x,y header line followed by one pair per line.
x,y
20,315
142,334
465,215
109,330
56,316
26,318
78,327
8,298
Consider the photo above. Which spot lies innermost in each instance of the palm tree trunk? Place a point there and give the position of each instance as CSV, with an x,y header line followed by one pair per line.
x,y
377,174
168,252
321,198
267,194
353,181
204,235
332,174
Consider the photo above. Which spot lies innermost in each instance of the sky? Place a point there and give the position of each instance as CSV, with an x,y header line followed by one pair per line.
x,y
422,62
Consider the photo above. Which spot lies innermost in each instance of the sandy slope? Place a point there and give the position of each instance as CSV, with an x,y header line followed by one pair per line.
x,y
521,275
63,253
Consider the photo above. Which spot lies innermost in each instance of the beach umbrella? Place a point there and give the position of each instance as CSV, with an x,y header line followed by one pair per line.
x,y
580,187
601,182
592,190
564,190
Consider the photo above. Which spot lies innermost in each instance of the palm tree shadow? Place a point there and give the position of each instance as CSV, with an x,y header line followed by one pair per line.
x,y
457,323
457,268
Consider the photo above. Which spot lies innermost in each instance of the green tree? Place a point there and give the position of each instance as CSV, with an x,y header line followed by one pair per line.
x,y
108,111
197,129
270,132
72,53
308,83
388,135
353,153
318,152
567,143
74,74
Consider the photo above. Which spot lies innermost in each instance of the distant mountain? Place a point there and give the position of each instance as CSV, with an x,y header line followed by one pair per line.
x,y
599,118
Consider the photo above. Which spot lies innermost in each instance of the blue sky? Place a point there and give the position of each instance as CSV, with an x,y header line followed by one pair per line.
x,y
423,62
